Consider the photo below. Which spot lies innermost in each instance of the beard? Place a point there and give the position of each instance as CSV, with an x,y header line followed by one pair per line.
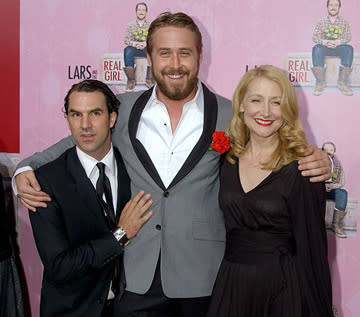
x,y
141,17
333,13
175,91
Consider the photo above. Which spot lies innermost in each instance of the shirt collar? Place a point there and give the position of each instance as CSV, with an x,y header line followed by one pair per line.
x,y
88,162
140,24
333,20
198,99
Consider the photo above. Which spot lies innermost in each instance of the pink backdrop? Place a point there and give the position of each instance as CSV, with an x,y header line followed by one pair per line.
x,y
57,34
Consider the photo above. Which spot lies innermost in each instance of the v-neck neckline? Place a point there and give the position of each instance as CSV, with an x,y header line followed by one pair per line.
x,y
255,187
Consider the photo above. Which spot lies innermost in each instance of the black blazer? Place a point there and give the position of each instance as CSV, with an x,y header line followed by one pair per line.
x,y
74,241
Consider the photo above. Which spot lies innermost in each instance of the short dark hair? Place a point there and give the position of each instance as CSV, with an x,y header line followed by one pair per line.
x,y
178,19
328,1
90,85
141,3
331,143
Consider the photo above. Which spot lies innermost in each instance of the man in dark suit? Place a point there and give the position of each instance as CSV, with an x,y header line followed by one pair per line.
x,y
80,236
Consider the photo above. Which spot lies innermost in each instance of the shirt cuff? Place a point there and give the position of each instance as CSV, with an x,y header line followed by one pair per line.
x,y
17,172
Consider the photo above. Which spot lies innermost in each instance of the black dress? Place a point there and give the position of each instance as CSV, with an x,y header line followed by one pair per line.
x,y
275,262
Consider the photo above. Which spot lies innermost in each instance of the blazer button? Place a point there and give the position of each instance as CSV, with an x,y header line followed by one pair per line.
x,y
100,301
158,227
166,194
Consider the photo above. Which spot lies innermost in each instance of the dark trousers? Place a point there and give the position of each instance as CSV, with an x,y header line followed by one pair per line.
x,y
155,304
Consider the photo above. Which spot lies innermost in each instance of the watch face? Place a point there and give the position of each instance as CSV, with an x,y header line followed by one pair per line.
x,y
118,233
120,236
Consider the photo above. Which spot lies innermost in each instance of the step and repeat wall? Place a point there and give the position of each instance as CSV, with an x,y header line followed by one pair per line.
x,y
63,42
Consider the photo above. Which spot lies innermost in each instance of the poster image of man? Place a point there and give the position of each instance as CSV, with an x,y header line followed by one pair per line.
x,y
336,192
135,41
331,36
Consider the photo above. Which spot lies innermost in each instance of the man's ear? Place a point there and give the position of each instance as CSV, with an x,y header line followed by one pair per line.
x,y
148,59
67,120
112,120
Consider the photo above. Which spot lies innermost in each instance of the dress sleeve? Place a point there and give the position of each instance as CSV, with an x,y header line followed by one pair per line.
x,y
307,211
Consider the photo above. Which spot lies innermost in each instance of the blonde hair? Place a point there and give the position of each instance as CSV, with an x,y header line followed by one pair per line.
x,y
292,138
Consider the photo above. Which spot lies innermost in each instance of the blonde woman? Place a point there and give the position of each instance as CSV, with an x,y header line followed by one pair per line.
x,y
275,262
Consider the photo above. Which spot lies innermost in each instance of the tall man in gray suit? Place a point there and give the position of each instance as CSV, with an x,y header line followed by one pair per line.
x,y
164,135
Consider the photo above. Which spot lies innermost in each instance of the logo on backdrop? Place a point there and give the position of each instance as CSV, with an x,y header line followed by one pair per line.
x,y
81,72
111,69
128,66
331,63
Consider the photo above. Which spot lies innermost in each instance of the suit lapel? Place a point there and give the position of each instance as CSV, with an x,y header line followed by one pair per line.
x,y
124,193
139,149
82,186
210,118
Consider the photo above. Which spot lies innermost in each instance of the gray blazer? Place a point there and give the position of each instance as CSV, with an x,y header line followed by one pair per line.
x,y
187,225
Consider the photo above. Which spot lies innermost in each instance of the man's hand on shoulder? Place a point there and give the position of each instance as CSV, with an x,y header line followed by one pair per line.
x,y
315,164
29,191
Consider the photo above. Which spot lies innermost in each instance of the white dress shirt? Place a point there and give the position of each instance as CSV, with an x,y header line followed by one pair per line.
x,y
92,171
169,151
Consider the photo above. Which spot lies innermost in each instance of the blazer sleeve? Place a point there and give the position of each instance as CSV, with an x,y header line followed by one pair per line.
x,y
307,212
63,261
39,159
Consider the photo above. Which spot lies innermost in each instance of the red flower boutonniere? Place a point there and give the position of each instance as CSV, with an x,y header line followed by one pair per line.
x,y
220,143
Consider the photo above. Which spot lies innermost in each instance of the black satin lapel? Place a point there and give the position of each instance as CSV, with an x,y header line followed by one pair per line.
x,y
139,149
83,187
124,192
210,119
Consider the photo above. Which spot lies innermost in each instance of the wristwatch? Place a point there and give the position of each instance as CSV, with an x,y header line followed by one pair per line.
x,y
120,235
